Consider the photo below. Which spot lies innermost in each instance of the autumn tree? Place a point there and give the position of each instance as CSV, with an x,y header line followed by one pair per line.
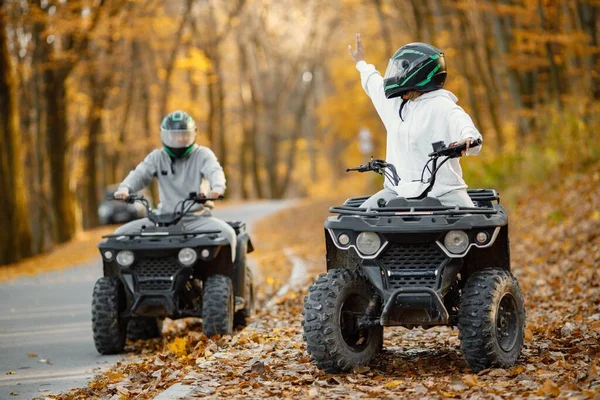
x,y
16,234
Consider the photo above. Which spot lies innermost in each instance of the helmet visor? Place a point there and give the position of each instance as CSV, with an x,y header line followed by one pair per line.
x,y
405,65
178,138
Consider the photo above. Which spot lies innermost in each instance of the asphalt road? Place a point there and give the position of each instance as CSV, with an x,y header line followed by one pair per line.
x,y
46,341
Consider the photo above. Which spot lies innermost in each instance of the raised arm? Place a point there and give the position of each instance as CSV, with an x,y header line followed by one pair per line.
x,y
372,83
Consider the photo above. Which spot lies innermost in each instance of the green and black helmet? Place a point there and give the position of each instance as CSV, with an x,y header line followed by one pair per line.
x,y
415,66
178,134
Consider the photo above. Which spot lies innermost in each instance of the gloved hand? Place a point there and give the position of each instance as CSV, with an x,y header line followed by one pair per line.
x,y
122,193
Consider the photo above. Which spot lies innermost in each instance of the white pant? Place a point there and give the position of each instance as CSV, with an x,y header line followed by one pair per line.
x,y
192,223
453,198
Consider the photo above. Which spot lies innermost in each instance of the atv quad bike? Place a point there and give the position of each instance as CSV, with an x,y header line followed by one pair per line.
x,y
164,270
415,263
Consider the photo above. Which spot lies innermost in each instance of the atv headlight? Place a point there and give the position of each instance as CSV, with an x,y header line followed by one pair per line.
x,y
344,239
125,258
456,241
368,243
187,256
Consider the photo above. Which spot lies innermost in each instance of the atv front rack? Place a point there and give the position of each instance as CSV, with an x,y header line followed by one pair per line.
x,y
132,235
483,197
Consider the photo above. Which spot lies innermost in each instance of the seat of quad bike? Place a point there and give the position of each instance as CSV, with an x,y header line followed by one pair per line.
x,y
402,202
238,226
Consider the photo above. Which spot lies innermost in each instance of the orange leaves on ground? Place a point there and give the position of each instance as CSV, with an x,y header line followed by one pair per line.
x,y
548,388
81,249
562,338
470,380
178,347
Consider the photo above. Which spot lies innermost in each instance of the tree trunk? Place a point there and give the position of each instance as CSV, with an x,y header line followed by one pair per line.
x,y
243,151
170,65
40,218
252,138
588,15
555,80
63,200
95,130
16,241
514,85
220,108
385,31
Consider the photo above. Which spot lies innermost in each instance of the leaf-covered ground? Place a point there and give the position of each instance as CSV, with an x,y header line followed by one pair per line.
x,y
82,248
555,244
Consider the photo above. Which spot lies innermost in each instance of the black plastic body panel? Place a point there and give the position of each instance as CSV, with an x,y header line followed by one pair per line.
x,y
413,292
179,296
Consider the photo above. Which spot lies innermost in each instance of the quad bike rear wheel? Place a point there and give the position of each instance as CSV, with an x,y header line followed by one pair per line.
x,y
491,320
335,305
217,306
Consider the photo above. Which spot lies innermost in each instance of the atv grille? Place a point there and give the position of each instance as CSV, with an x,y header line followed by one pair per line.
x,y
412,264
156,273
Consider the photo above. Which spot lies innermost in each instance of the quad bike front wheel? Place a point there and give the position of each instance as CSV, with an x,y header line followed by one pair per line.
x,y
335,305
491,320
217,306
144,328
108,327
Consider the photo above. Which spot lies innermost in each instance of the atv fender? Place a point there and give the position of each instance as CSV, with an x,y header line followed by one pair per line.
x,y
244,246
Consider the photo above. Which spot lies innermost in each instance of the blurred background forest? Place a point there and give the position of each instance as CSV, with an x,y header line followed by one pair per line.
x,y
84,84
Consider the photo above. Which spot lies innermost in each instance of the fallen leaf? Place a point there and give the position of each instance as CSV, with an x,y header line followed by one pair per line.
x,y
393,384
178,346
470,380
421,389
548,388
362,369
32,355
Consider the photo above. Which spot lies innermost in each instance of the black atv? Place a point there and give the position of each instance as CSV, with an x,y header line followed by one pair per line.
x,y
164,270
415,263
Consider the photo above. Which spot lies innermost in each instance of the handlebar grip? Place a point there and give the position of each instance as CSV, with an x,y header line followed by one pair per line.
x,y
476,142
360,168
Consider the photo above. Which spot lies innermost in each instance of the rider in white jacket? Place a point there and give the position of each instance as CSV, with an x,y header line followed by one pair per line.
x,y
416,112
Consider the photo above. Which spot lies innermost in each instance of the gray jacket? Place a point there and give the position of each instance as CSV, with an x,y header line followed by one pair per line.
x,y
177,177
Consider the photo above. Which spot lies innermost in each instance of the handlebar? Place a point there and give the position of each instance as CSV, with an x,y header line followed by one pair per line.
x,y
193,196
381,167
181,209
440,149
373,165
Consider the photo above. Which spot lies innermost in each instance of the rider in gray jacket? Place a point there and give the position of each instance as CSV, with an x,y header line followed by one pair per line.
x,y
181,167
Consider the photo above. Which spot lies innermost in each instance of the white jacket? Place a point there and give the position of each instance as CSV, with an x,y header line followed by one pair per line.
x,y
432,117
